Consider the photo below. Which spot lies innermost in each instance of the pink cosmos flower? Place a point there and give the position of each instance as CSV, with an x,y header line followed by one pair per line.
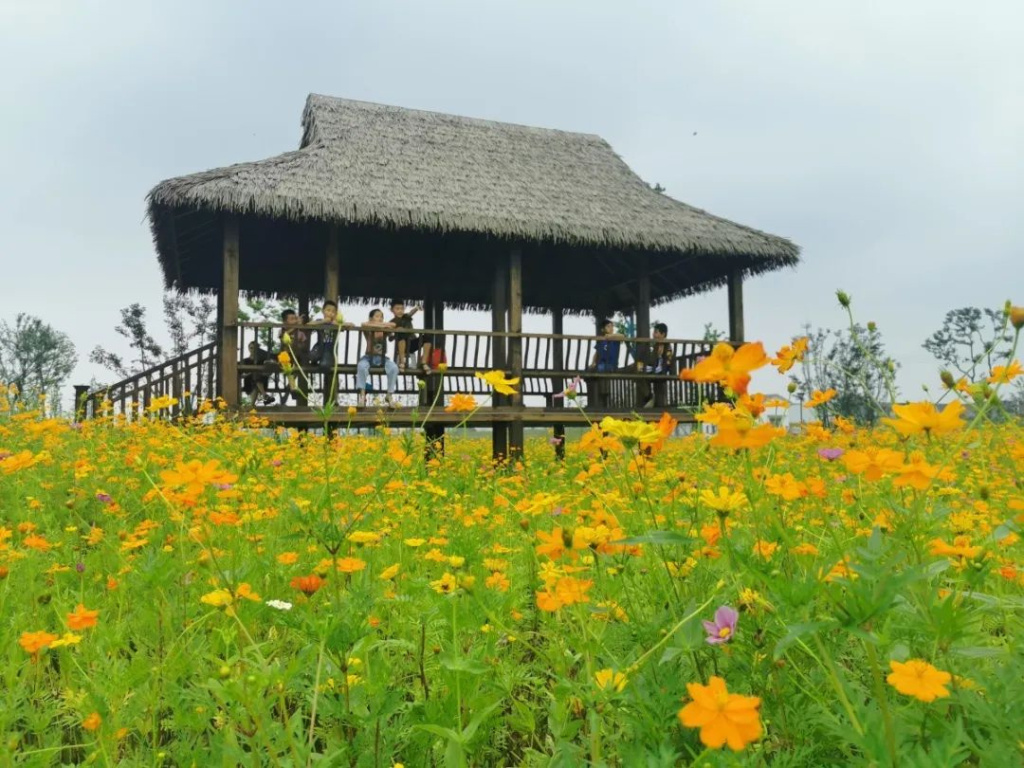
x,y
723,627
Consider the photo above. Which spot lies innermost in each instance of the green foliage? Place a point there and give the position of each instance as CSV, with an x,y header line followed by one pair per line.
x,y
36,358
971,341
852,361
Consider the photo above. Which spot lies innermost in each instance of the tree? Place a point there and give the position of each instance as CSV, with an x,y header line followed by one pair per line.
x,y
36,358
971,341
147,351
190,321
854,363
712,334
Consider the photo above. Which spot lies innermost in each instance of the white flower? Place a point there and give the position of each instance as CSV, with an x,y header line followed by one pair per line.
x,y
280,605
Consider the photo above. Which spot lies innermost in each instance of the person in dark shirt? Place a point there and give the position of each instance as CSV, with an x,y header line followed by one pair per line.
x,y
407,344
254,384
297,350
606,350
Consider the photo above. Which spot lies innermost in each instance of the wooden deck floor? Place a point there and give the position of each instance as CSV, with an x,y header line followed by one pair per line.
x,y
406,416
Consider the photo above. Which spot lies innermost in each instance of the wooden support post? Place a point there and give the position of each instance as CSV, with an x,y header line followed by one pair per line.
x,y
81,406
303,308
499,311
433,318
228,302
515,362
557,382
332,267
736,306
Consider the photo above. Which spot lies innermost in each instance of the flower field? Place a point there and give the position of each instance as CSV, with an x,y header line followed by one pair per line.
x,y
189,594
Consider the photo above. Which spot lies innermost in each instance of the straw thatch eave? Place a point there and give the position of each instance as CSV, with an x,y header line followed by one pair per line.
x,y
411,188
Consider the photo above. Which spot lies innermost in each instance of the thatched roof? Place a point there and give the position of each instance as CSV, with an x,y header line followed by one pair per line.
x,y
422,196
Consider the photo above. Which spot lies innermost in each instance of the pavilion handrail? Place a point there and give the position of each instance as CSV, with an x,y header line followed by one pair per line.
x,y
492,334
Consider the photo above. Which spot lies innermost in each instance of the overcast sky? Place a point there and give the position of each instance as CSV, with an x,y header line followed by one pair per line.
x,y
885,138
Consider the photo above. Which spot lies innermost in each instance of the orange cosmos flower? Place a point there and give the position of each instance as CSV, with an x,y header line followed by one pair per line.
x,y
790,354
82,618
92,722
741,433
37,543
874,463
919,679
307,584
193,477
917,473
819,398
34,642
915,418
753,404
566,591
728,367
350,564
552,544
723,717
961,547
1004,374
461,404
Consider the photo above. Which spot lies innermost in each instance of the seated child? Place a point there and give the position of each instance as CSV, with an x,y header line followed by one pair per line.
x,y
407,343
606,350
298,353
255,384
375,334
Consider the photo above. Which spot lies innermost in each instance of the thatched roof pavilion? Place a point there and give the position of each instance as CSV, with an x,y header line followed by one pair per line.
x,y
382,201
420,203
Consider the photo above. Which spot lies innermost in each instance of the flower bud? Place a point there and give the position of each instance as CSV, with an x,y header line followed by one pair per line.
x,y
844,299
872,326
791,387
286,339
947,379
1017,317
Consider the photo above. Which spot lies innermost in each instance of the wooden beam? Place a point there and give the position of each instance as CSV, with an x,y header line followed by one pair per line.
x,y
332,267
228,301
515,363
499,312
736,306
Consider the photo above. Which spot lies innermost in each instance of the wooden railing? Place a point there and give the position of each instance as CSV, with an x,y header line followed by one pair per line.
x,y
467,352
549,364
189,379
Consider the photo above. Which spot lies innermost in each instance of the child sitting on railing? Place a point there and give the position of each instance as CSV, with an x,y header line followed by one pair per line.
x,y
376,336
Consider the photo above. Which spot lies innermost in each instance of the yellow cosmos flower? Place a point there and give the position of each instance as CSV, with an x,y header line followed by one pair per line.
x,y
631,432
497,381
445,585
726,501
609,679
